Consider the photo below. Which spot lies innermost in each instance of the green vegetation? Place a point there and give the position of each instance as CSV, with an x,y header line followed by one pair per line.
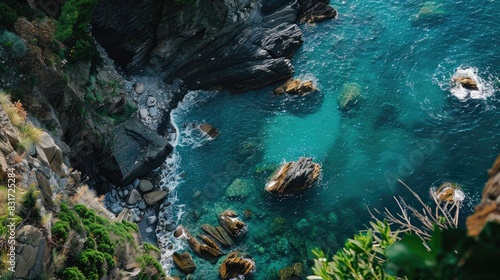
x,y
11,10
150,268
362,257
150,247
12,46
73,273
29,211
72,30
102,237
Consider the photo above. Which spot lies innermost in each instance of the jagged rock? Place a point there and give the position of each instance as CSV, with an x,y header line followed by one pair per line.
x,y
207,251
133,197
50,153
466,82
349,96
236,266
209,129
239,189
293,177
184,262
231,223
136,151
219,234
315,11
283,46
295,86
117,105
45,188
32,251
291,272
145,186
154,196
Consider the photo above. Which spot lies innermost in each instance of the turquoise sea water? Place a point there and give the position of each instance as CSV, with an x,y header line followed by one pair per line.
x,y
408,126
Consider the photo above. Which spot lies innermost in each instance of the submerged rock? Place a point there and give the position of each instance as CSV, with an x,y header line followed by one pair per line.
x,y
293,177
236,266
229,221
184,262
430,13
349,97
466,82
239,189
291,272
295,86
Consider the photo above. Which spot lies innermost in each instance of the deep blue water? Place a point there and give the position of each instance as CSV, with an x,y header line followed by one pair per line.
x,y
408,126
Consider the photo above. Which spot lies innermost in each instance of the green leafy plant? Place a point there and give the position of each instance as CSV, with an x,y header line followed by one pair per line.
x,y
150,268
29,211
73,273
362,257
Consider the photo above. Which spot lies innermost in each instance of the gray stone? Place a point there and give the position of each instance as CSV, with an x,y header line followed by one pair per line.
x,y
154,196
120,193
125,192
143,113
133,197
129,187
171,226
116,208
142,205
153,112
151,102
136,183
151,220
139,88
146,186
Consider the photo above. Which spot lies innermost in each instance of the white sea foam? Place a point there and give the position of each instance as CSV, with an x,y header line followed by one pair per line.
x,y
485,87
186,134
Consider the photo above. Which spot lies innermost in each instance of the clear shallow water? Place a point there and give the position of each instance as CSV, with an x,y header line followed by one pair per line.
x,y
431,137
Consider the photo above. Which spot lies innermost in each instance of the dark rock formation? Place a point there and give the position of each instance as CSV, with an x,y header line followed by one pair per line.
x,y
32,251
315,11
235,45
136,151
185,262
293,177
208,250
236,266
232,224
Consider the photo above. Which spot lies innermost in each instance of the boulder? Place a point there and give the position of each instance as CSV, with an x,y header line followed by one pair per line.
x,y
154,196
219,234
236,266
239,189
143,113
232,224
136,150
133,197
145,186
184,262
315,11
208,250
31,253
139,88
295,86
293,177
349,97
151,101
466,82
50,153
209,129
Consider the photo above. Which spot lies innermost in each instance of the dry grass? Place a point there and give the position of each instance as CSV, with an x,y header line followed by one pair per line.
x,y
14,117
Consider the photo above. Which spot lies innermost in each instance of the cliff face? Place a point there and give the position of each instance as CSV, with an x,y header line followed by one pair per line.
x,y
235,45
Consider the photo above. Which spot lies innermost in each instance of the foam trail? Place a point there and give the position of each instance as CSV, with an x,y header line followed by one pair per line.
x,y
485,88
171,212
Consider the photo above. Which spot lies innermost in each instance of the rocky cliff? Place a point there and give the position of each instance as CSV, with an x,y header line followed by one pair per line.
x,y
235,45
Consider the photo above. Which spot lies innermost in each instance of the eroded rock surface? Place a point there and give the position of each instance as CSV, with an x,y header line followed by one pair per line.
x,y
293,177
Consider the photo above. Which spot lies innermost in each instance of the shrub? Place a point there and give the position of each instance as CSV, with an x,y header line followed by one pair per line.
x,y
7,16
93,264
29,210
73,273
12,46
150,268
60,231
